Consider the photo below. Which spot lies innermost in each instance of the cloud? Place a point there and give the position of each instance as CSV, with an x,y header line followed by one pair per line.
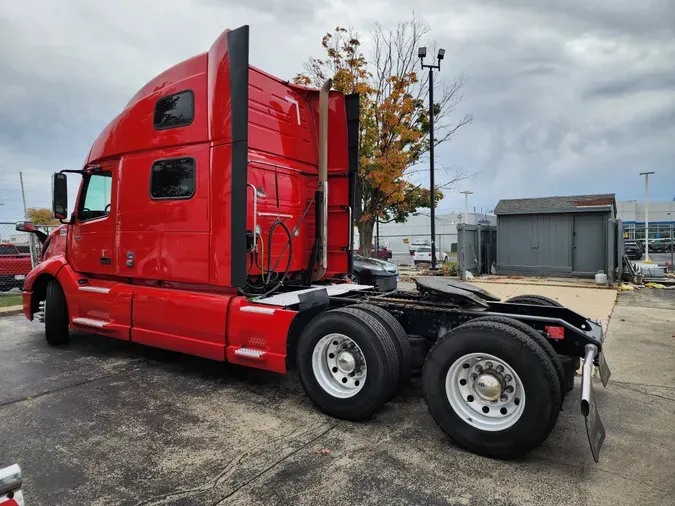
x,y
567,97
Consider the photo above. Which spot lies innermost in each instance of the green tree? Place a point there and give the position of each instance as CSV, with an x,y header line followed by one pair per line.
x,y
394,124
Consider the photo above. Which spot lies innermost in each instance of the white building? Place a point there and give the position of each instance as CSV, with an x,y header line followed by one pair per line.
x,y
398,236
661,219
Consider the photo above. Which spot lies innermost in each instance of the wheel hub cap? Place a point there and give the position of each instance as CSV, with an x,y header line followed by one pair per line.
x,y
339,366
488,387
485,391
346,362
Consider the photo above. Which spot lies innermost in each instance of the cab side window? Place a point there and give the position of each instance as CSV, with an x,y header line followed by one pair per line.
x,y
96,201
173,179
174,111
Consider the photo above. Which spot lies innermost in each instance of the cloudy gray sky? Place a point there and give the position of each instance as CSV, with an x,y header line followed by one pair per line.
x,y
568,97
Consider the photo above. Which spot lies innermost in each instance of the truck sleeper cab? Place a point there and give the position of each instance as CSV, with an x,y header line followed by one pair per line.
x,y
214,218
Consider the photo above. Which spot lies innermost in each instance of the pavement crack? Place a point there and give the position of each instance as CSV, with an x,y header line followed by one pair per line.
x,y
31,397
628,386
600,469
273,465
234,464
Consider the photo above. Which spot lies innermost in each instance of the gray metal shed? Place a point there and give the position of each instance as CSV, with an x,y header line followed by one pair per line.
x,y
558,236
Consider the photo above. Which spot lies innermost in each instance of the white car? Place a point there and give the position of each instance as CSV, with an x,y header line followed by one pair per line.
x,y
418,243
423,255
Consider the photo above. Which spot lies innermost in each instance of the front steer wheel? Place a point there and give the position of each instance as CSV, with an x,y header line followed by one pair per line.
x,y
492,389
347,363
56,315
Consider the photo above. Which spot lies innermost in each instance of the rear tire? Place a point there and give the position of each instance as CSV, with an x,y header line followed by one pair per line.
x,y
56,315
357,338
492,433
538,338
534,300
399,338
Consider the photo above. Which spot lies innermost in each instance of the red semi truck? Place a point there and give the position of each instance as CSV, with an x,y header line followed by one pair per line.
x,y
214,218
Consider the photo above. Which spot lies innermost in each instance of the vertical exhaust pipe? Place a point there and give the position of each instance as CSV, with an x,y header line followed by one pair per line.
x,y
323,180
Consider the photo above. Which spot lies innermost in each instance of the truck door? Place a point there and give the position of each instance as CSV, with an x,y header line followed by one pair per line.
x,y
90,249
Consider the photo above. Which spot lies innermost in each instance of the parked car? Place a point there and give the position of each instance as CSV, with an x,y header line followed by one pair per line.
x,y
14,266
633,251
660,245
384,253
376,272
423,255
418,243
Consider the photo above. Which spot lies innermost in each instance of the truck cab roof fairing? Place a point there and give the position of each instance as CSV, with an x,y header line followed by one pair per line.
x,y
227,106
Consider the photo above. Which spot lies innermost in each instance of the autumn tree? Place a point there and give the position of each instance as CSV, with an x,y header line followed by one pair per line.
x,y
394,122
41,216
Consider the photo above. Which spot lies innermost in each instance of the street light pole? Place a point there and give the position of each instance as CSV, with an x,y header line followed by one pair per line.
x,y
466,205
646,175
422,52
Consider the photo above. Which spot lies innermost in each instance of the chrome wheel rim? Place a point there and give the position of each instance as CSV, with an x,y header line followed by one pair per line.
x,y
339,366
485,392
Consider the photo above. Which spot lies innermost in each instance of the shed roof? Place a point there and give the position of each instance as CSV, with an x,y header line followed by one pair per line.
x,y
570,204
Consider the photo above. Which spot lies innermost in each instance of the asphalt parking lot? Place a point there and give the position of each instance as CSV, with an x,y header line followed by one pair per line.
x,y
103,422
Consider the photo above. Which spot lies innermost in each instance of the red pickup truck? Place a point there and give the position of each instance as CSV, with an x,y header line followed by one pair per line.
x,y
14,266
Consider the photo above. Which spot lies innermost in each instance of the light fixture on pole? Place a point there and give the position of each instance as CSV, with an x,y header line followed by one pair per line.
x,y
646,175
422,53
466,205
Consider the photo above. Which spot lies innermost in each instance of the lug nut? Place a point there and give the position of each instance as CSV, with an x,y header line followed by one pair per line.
x,y
474,376
508,378
509,389
479,368
500,368
488,365
503,398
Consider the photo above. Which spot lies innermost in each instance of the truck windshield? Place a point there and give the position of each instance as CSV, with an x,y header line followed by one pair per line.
x,y
96,201
8,249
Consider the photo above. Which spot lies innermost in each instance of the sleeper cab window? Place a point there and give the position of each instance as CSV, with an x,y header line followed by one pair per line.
x,y
175,110
173,179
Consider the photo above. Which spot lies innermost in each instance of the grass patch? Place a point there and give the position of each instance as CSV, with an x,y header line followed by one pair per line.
x,y
10,300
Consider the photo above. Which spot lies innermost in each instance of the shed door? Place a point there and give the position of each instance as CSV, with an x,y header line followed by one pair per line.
x,y
589,243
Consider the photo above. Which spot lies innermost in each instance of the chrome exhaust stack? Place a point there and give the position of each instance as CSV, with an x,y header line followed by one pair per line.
x,y
323,180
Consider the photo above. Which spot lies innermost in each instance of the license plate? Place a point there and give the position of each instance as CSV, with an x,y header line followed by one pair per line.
x,y
595,430
605,373
20,277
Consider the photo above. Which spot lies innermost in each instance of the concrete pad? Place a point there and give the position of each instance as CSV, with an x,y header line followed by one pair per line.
x,y
590,302
643,339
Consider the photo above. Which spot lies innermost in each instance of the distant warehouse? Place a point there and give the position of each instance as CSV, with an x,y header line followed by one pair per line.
x,y
559,236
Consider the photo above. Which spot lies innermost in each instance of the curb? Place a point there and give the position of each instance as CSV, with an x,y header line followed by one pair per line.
x,y
11,311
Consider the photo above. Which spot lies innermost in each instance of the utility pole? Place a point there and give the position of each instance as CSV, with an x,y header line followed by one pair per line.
x,y
466,205
25,217
422,53
377,236
646,175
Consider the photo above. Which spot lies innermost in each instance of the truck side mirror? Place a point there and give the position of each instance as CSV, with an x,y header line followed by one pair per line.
x,y
25,226
60,196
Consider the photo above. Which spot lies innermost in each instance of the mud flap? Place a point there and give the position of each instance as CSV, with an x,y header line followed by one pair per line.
x,y
595,430
594,427
605,373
